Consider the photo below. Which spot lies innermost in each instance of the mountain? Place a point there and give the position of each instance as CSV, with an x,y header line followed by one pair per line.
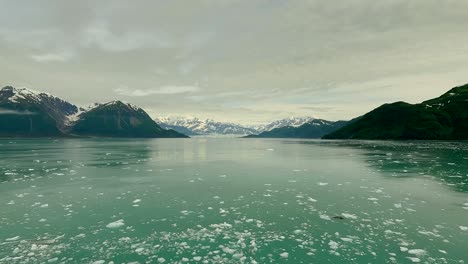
x,y
285,122
27,113
315,128
196,126
442,118
118,119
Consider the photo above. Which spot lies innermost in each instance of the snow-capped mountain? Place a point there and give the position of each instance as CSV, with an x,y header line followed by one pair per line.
x,y
315,128
291,122
27,113
196,126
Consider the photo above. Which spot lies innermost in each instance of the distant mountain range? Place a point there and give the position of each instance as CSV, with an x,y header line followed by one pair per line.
x,y
285,122
315,128
193,126
442,118
27,113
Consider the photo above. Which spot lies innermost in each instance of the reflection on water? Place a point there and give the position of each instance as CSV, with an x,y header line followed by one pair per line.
x,y
442,161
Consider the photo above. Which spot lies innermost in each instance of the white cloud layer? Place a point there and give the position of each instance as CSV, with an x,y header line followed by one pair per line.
x,y
164,90
256,60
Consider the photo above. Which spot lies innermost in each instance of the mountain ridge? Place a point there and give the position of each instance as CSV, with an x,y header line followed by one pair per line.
x,y
197,126
315,128
441,118
36,114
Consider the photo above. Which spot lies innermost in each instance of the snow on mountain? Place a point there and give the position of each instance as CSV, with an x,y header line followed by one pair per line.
x,y
196,126
291,121
24,95
57,108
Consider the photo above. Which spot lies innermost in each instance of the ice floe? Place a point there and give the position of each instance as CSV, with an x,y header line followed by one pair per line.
x,y
116,224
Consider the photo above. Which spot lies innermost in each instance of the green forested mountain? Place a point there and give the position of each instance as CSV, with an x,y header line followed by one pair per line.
x,y
443,118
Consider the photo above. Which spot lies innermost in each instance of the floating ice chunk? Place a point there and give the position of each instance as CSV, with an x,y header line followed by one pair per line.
x,y
463,228
398,205
333,245
297,232
270,149
323,183
415,260
44,205
229,250
284,255
197,258
417,252
349,216
12,238
138,250
136,200
161,260
312,200
372,199
116,224
222,225
442,251
99,262
325,217
52,260
11,202
403,249
346,239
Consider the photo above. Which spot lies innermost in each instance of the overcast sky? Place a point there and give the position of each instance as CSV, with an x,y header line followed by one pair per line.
x,y
245,61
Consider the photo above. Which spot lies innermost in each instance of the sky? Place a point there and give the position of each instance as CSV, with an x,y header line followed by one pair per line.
x,y
245,61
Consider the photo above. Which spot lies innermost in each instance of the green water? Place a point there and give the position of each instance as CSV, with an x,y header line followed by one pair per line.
x,y
233,201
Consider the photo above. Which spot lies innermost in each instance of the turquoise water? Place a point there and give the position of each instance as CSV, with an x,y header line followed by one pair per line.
x,y
232,201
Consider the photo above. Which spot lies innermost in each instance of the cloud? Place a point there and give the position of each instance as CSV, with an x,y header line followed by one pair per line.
x,y
167,90
16,112
338,59
101,36
52,57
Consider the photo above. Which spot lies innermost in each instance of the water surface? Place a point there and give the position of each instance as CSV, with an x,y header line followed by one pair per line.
x,y
232,201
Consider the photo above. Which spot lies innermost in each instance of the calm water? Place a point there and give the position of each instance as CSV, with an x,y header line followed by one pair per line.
x,y
233,201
